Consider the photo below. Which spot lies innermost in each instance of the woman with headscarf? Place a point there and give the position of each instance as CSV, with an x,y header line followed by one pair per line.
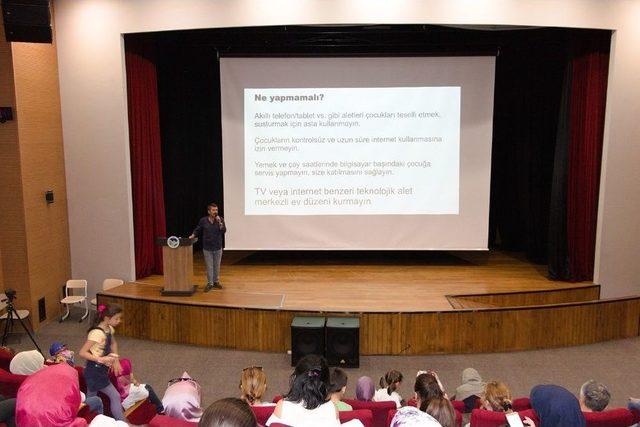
x,y
26,362
183,398
50,397
470,390
130,389
556,407
365,389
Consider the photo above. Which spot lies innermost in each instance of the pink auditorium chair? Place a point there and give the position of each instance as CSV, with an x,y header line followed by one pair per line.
x,y
619,417
484,418
379,410
262,413
521,404
5,358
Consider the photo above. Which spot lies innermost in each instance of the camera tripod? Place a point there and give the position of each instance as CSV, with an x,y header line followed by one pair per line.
x,y
11,315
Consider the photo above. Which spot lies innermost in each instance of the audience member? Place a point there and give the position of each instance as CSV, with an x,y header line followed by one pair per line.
x,y
26,362
183,398
337,389
50,397
432,399
229,412
496,397
365,389
388,386
101,353
253,384
104,421
470,390
131,391
306,402
61,354
593,396
426,390
556,407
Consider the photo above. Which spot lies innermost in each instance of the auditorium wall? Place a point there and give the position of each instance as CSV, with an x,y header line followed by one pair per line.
x,y
94,109
34,237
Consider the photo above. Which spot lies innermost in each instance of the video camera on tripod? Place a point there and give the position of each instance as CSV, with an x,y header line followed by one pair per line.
x,y
12,315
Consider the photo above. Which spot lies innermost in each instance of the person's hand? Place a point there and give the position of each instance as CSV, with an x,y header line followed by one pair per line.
x,y
528,422
136,383
106,360
192,236
116,367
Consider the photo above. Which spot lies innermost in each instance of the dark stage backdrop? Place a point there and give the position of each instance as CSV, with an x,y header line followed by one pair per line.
x,y
531,116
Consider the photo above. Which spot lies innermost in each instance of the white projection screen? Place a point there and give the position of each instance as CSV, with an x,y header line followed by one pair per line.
x,y
357,153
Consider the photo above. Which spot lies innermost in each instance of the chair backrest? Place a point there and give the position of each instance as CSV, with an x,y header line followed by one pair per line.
x,y
166,421
263,413
111,283
76,284
10,383
521,404
5,358
484,418
364,415
379,410
611,418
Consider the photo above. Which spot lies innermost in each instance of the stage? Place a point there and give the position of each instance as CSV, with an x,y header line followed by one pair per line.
x,y
408,303
358,282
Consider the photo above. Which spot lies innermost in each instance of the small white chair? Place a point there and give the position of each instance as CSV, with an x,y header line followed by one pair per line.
x,y
106,285
70,298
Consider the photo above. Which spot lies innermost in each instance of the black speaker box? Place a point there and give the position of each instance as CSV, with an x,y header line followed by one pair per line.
x,y
27,21
343,342
307,337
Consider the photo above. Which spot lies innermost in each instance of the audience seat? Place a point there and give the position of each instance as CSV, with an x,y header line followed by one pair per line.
x,y
166,421
10,383
379,410
5,358
262,413
521,404
636,416
619,417
364,415
484,418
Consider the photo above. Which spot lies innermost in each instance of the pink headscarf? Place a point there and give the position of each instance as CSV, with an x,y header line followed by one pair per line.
x,y
50,398
182,400
123,381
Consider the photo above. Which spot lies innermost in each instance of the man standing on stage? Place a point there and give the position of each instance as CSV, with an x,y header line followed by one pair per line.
x,y
210,230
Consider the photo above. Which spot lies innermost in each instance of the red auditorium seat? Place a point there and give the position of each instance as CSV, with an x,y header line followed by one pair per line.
x,y
379,410
165,421
636,416
364,415
5,358
521,404
10,383
484,418
262,413
620,417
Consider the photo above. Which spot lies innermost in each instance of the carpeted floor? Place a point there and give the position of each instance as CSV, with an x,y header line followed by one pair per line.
x,y
218,371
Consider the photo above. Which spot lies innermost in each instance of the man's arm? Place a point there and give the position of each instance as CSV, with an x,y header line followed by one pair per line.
x,y
197,231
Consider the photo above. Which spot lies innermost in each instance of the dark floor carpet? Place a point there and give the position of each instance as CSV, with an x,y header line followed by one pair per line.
x,y
218,371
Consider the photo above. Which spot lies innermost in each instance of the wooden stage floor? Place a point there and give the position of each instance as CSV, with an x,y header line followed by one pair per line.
x,y
352,282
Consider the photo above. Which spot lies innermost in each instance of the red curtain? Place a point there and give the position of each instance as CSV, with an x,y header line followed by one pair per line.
x,y
146,158
587,106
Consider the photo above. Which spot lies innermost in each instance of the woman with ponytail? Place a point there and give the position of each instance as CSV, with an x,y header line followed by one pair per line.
x,y
101,353
307,402
434,408
496,397
388,386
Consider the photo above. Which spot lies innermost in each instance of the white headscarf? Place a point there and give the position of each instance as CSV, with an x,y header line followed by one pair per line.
x,y
472,384
104,421
26,362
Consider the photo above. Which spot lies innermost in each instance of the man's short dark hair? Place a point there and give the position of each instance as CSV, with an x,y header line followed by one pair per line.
x,y
596,396
211,205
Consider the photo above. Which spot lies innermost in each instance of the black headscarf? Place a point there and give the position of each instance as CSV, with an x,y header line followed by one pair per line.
x,y
556,407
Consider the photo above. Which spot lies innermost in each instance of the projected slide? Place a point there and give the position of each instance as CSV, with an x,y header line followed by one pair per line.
x,y
363,153
351,151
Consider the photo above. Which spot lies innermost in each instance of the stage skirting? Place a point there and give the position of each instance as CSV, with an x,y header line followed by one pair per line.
x,y
493,323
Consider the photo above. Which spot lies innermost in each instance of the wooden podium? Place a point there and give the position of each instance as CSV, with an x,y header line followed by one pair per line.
x,y
177,259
